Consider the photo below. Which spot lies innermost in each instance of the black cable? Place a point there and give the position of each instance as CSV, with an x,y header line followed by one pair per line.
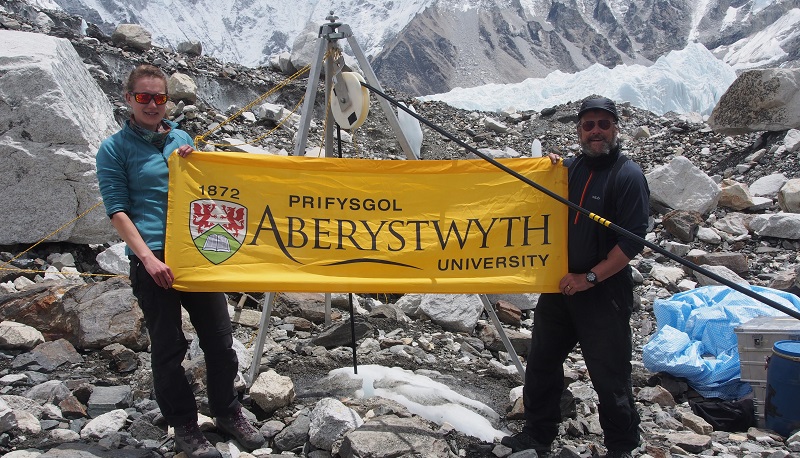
x,y
598,219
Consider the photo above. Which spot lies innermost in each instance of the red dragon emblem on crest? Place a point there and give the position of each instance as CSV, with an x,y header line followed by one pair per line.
x,y
218,228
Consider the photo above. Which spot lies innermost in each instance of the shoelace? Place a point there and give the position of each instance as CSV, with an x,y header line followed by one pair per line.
x,y
240,422
193,434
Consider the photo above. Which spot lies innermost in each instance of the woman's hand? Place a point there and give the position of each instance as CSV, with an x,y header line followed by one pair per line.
x,y
185,150
160,272
554,158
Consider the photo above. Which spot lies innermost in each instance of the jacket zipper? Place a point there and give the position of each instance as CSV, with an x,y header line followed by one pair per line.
x,y
583,195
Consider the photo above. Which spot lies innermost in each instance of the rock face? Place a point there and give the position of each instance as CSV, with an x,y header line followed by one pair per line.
x,y
52,112
444,47
432,46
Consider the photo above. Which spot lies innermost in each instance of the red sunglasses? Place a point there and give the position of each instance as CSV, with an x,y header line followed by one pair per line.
x,y
144,98
587,126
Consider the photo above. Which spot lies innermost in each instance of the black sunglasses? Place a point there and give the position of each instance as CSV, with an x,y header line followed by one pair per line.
x,y
144,98
603,124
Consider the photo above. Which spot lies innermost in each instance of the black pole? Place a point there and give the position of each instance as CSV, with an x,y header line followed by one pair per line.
x,y
353,333
597,218
350,295
339,139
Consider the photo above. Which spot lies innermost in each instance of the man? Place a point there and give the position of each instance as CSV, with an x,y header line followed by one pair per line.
x,y
595,301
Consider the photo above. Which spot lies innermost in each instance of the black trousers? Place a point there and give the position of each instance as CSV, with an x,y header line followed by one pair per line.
x,y
598,319
208,313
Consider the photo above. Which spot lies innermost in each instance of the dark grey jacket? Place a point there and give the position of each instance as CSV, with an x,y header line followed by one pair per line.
x,y
625,203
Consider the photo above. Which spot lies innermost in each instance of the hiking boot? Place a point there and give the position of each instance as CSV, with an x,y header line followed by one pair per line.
x,y
237,426
524,441
192,441
618,454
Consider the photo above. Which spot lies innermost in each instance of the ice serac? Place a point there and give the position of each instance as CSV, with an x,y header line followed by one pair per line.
x,y
685,81
53,117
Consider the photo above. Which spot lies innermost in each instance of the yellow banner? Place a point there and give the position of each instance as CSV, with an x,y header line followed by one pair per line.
x,y
246,222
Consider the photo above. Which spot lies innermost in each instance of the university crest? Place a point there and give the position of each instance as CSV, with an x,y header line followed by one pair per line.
x,y
218,228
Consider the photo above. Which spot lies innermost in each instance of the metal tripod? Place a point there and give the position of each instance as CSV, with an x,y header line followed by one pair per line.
x,y
327,44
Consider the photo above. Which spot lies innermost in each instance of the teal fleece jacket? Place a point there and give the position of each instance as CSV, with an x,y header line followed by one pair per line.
x,y
134,177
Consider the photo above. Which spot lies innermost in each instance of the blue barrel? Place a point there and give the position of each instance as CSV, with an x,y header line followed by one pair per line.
x,y
782,406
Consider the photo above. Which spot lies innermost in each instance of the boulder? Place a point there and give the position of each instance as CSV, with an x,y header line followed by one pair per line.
x,y
191,47
780,225
792,141
19,336
304,47
132,36
789,196
88,316
55,116
454,312
769,185
680,185
735,196
182,87
761,99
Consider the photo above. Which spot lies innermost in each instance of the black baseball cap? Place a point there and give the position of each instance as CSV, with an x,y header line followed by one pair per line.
x,y
599,103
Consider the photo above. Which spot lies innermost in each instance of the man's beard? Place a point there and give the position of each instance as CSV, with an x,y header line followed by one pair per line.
x,y
586,147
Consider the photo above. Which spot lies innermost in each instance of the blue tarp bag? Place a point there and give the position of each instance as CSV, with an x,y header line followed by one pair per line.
x,y
696,339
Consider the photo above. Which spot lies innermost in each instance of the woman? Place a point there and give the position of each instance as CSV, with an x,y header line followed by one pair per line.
x,y
133,175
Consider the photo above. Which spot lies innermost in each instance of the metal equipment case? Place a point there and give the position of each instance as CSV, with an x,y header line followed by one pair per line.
x,y
755,340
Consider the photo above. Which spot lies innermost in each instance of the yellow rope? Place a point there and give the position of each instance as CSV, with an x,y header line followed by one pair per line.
x,y
66,274
54,232
324,129
333,53
283,120
249,343
201,139
6,265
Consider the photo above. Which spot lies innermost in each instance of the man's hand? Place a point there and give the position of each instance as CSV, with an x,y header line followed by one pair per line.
x,y
573,283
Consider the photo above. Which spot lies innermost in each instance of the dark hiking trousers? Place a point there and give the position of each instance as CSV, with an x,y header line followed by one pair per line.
x,y
598,319
208,313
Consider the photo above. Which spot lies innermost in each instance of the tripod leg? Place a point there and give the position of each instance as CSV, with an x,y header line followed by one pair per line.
x,y
369,74
308,103
266,311
503,337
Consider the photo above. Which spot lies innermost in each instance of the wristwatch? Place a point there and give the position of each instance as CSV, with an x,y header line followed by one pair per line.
x,y
591,277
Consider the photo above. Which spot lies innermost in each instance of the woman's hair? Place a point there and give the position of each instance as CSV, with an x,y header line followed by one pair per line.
x,y
144,71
